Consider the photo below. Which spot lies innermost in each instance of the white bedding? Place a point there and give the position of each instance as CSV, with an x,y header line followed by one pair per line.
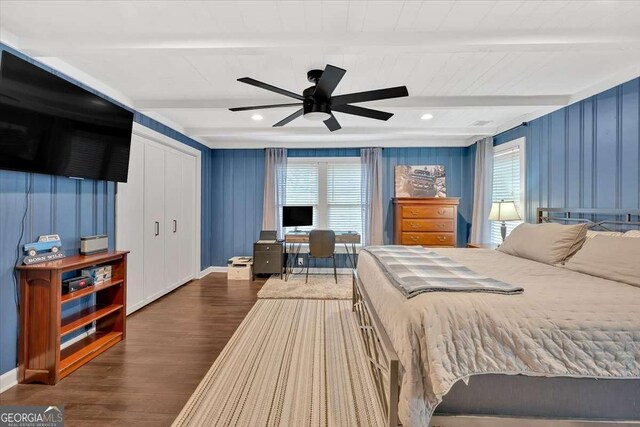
x,y
564,324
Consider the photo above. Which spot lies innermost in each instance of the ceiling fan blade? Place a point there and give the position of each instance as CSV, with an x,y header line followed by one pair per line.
x,y
289,118
256,83
332,124
259,107
331,76
372,95
364,112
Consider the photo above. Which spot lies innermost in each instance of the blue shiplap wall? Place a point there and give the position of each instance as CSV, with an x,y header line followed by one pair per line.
x,y
459,168
586,154
238,182
72,209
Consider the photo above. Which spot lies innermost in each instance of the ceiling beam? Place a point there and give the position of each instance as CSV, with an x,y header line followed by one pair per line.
x,y
339,43
412,102
316,131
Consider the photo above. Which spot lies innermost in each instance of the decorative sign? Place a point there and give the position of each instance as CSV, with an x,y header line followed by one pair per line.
x,y
45,257
420,181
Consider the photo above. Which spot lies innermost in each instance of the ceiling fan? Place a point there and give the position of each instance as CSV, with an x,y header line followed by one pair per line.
x,y
318,104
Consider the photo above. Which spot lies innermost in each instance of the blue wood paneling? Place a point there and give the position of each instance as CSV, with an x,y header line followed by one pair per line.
x,y
238,182
70,208
586,154
56,205
459,166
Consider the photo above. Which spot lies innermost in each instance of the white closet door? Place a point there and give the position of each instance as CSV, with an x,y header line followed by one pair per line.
x,y
154,222
130,230
173,215
187,230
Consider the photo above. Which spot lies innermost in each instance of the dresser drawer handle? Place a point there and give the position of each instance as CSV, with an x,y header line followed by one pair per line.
x,y
414,225
441,238
267,262
267,247
441,225
442,211
414,238
415,213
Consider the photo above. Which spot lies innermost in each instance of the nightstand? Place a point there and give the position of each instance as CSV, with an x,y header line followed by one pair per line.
x,y
482,245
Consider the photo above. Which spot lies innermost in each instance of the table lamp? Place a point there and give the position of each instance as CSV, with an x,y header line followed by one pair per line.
x,y
503,211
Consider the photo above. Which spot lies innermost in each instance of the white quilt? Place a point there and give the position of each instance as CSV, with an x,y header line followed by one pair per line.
x,y
564,324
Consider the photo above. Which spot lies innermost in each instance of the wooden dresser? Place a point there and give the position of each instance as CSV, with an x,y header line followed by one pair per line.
x,y
425,221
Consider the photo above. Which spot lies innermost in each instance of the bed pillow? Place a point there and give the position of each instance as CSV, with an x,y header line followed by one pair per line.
x,y
591,234
609,257
632,233
548,243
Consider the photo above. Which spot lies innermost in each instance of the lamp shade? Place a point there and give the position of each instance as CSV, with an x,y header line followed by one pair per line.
x,y
504,211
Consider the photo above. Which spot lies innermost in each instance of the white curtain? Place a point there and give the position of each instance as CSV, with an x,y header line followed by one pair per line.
x,y
275,180
482,189
371,193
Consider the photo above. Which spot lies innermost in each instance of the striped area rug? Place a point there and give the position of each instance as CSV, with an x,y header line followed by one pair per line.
x,y
290,363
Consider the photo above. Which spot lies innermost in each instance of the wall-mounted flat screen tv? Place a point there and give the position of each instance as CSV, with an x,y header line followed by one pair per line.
x,y
51,126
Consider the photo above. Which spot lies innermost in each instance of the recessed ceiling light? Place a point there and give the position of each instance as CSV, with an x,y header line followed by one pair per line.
x,y
427,116
257,117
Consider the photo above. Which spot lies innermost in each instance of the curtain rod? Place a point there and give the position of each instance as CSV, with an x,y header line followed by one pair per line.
x,y
523,124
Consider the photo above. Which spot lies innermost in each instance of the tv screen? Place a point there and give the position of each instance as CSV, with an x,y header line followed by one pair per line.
x,y
297,216
51,126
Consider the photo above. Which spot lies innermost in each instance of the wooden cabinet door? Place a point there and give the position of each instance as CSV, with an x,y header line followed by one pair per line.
x,y
130,230
154,222
173,217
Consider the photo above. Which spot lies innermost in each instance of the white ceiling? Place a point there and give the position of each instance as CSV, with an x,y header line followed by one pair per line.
x,y
498,62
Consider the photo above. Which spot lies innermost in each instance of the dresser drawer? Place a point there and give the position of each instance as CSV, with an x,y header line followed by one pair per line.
x,y
266,247
427,225
434,212
267,262
428,239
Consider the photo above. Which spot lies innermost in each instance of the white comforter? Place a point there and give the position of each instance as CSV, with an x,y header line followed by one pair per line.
x,y
564,324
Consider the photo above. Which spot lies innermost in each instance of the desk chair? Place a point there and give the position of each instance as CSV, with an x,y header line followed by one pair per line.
x,y
322,244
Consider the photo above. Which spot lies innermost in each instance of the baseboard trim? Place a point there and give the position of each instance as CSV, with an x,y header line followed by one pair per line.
x,y
312,270
8,380
212,269
488,421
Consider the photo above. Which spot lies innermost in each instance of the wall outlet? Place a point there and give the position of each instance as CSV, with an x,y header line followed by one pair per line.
x,y
300,261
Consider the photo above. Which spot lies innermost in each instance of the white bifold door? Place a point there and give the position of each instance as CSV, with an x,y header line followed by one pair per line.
x,y
156,220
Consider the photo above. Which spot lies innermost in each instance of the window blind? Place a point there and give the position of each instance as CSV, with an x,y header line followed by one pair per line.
x,y
507,180
331,187
302,188
344,208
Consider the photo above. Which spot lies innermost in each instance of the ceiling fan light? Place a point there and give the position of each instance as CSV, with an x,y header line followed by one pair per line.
x,y
317,116
257,117
427,116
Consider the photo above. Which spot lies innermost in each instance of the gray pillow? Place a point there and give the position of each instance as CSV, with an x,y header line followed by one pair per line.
x,y
609,257
549,243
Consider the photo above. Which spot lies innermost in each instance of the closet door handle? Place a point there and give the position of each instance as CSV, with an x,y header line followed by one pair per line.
x,y
175,225
157,228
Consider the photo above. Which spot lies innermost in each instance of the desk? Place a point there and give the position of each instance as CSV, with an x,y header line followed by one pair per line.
x,y
294,240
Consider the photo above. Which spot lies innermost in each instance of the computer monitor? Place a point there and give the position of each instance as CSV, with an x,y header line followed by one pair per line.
x,y
297,216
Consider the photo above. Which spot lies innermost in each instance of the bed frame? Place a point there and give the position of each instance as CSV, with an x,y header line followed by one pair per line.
x,y
385,365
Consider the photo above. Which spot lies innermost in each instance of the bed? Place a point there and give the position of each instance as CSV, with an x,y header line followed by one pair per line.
x,y
564,349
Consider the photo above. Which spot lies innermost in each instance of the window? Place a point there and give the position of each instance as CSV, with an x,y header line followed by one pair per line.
x,y
508,181
331,186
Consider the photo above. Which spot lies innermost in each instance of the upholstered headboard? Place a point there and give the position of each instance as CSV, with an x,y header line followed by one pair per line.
x,y
598,219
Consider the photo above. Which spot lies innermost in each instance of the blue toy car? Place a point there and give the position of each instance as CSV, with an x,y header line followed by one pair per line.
x,y
49,242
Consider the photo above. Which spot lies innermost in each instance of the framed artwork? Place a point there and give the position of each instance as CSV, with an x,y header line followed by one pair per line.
x,y
420,181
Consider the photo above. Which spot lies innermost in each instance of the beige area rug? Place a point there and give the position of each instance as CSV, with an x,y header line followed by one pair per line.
x,y
290,363
320,286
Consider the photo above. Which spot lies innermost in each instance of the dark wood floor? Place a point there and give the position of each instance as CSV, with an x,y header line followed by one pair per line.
x,y
147,379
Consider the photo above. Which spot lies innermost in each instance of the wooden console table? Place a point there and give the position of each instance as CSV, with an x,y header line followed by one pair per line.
x,y
42,325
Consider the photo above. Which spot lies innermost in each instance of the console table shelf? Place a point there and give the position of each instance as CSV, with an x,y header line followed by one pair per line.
x,y
42,327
